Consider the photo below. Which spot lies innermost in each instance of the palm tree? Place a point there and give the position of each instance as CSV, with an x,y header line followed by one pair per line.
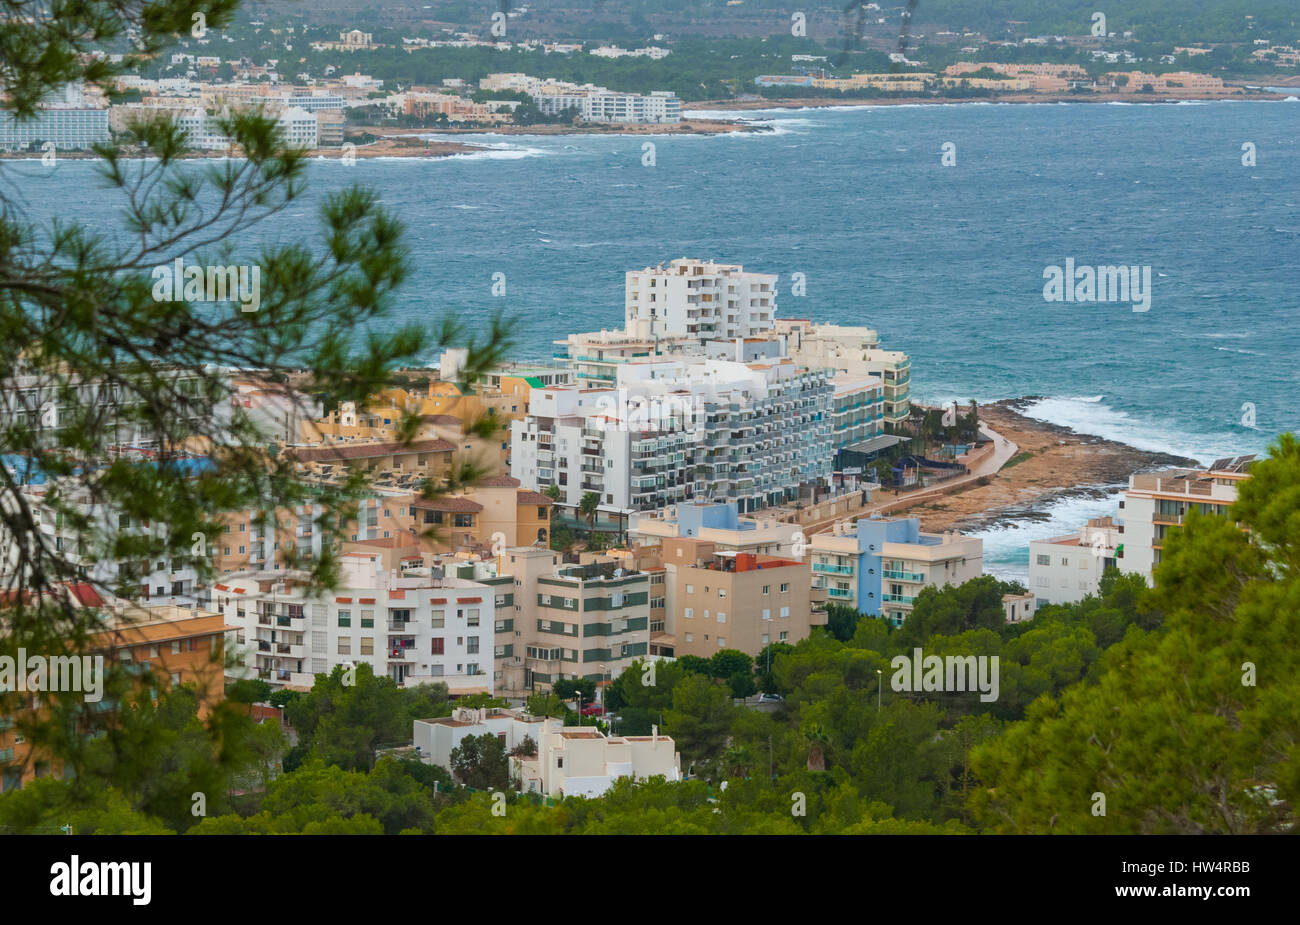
x,y
587,507
818,743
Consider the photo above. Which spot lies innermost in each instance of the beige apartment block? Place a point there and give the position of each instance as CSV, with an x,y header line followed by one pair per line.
x,y
729,600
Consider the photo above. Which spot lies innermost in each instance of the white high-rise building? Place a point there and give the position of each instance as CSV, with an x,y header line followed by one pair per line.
x,y
701,299
680,428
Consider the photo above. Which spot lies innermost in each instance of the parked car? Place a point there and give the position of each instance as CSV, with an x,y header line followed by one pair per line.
x,y
770,698
593,710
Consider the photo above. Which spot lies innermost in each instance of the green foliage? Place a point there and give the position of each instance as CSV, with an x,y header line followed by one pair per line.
x,y
481,762
249,691
345,724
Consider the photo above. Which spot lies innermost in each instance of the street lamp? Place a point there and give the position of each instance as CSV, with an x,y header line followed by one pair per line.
x,y
879,678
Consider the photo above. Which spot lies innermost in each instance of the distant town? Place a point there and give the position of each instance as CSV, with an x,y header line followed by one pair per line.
x,y
329,100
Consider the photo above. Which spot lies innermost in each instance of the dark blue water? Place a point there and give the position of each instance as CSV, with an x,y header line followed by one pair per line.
x,y
946,262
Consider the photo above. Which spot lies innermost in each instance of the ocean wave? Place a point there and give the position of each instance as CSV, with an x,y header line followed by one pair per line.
x,y
1006,544
1101,420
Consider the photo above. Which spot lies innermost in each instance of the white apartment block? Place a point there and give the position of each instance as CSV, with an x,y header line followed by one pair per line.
x,y
414,628
1066,569
699,299
202,131
676,429
583,761
1156,503
610,106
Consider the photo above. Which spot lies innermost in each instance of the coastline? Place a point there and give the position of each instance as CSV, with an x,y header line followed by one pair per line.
x,y
831,102
685,127
1053,463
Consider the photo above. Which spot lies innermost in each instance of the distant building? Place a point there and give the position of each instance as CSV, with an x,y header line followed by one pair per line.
x,y
1066,569
1157,503
66,129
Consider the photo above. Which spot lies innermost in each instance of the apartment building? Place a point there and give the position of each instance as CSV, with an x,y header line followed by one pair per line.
x,y
583,761
721,599
879,565
699,299
858,414
715,522
65,129
757,433
416,627
204,132
174,645
1156,503
1066,569
852,351
592,622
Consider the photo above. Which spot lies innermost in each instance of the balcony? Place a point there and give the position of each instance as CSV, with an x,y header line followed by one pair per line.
x,y
832,569
903,576
897,599
841,593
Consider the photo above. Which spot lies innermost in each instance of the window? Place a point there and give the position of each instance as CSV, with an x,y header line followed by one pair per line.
x,y
345,618
690,589
367,619
438,646
722,617
689,613
319,643
1064,560
690,637
345,645
785,586
767,589
785,611
176,647
471,617
367,645
767,614
439,619
1044,560
176,678
722,592
471,645
764,638
784,636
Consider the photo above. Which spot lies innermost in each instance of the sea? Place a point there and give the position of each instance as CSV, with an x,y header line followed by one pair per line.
x,y
947,263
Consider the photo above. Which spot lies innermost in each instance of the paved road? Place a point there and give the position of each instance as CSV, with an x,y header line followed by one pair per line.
x,y
1003,451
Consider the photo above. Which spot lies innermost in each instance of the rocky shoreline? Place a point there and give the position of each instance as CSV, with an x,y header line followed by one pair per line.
x,y
1053,463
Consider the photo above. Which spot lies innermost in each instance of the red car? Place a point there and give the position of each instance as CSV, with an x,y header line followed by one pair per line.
x,y
593,710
